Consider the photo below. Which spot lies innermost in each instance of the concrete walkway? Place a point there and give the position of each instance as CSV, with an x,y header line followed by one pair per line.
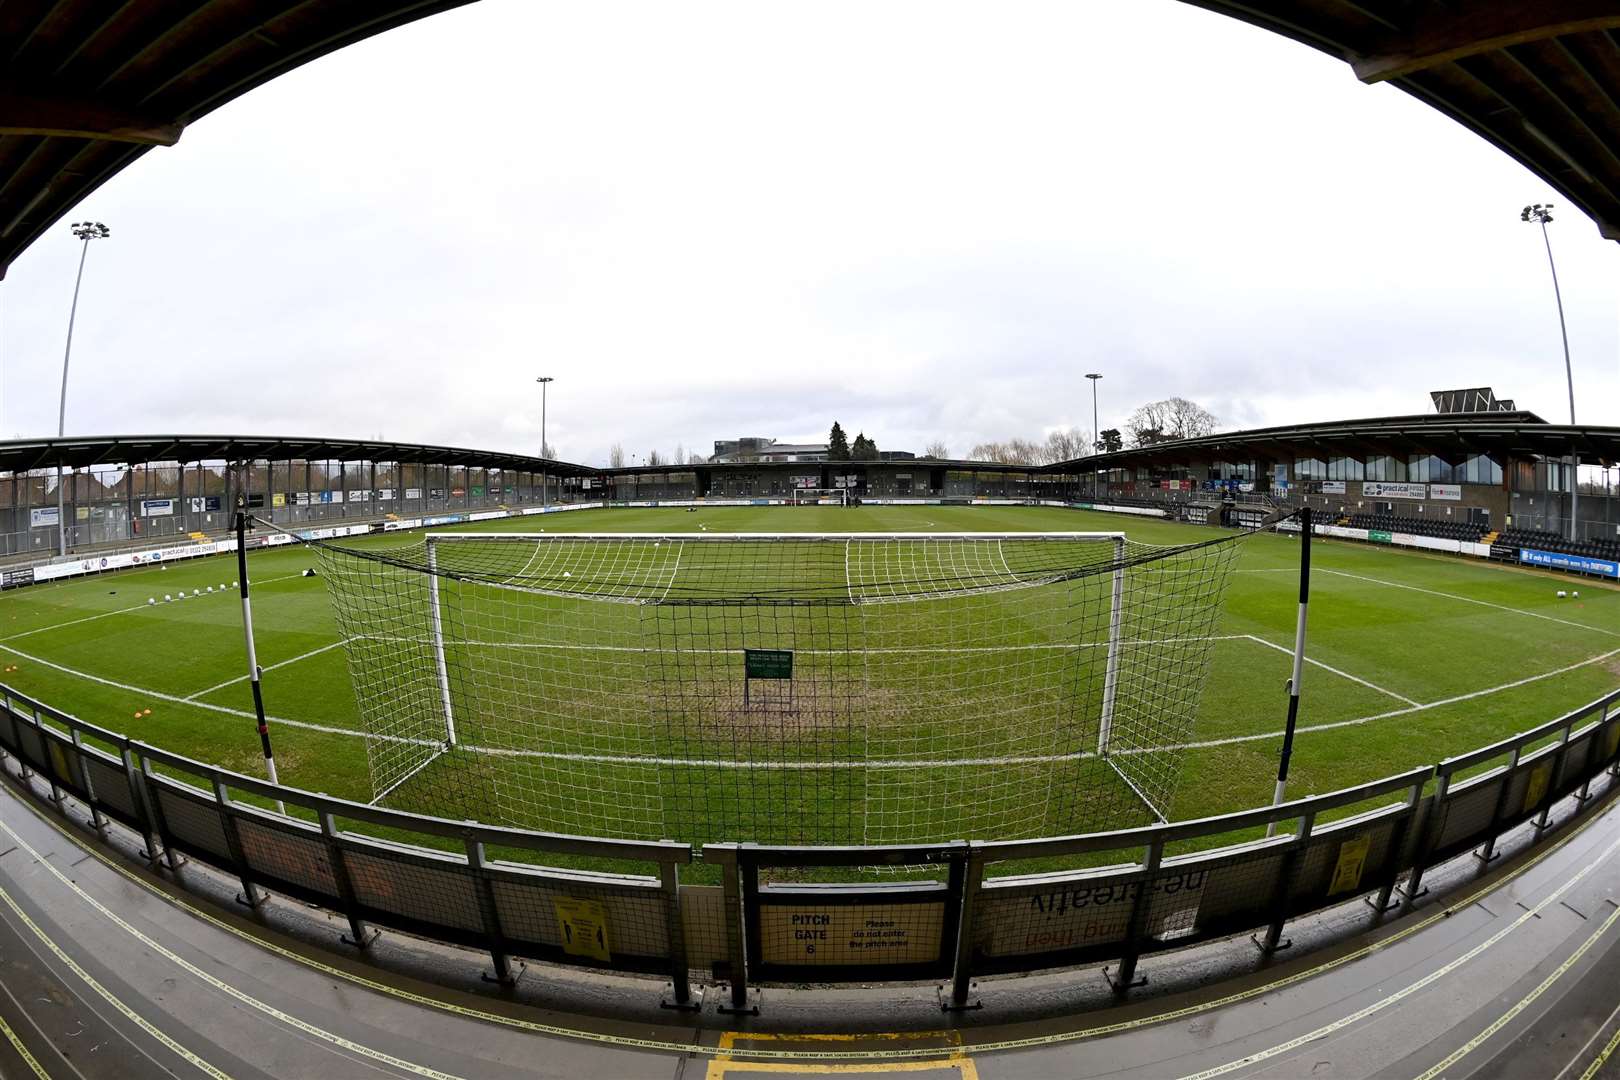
x,y
107,970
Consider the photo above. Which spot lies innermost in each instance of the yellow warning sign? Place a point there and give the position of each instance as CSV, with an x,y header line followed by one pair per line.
x,y
1352,861
60,762
583,925
1537,785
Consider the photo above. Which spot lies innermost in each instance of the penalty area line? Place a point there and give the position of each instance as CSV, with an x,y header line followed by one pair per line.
x,y
1334,670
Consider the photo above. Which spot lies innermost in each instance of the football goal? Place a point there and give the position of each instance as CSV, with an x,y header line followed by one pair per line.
x,y
780,688
820,497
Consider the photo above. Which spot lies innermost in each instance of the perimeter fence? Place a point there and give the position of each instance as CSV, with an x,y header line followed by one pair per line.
x,y
950,912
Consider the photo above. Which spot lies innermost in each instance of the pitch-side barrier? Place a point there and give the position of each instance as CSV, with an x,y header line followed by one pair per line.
x,y
947,912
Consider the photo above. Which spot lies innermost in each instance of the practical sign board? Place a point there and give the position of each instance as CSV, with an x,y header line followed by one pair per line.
x,y
768,663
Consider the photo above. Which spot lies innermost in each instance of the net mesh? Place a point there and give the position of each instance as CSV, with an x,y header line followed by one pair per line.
x,y
780,689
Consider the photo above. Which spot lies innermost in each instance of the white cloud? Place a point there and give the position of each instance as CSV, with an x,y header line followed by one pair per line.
x,y
925,220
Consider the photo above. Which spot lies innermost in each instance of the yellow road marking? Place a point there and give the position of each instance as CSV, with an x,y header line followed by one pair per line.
x,y
1407,991
725,1065
670,1047
107,995
218,984
22,1051
1523,1003
1597,1065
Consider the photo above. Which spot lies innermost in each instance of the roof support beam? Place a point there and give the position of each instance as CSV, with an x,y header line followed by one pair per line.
x,y
1442,34
23,112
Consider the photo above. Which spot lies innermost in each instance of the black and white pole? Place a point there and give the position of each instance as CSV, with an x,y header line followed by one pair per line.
x,y
252,654
1299,662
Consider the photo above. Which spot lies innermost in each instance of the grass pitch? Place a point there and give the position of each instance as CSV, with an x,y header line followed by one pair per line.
x,y
1413,657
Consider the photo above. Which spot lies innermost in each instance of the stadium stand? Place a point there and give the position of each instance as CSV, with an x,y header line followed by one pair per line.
x,y
1445,530
1514,539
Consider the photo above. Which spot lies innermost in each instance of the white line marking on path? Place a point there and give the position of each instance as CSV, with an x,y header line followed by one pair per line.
x,y
1341,674
1471,600
270,667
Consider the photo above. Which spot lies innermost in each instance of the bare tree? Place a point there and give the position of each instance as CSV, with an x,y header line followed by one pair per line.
x,y
680,454
616,456
937,450
1170,419
1065,444
655,458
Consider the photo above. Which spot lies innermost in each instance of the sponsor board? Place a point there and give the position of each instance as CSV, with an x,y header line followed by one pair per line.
x,y
358,495
836,934
15,579
1558,560
1379,489
1446,492
1333,487
278,499
1080,914
413,493
157,507
205,504
1379,536
43,516
385,494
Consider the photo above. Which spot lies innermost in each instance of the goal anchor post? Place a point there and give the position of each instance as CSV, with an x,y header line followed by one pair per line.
x,y
252,653
1299,662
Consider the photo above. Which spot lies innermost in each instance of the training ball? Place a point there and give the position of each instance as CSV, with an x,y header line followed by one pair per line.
x,y
196,592
146,712
568,573
222,586
1562,594
167,598
1577,592
151,599
236,584
210,588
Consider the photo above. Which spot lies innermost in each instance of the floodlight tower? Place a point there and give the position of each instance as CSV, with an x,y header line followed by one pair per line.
x,y
1541,213
545,479
1096,432
85,231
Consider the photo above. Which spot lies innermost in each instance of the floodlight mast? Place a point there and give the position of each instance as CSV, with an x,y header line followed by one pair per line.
x,y
1096,432
545,480
85,231
1541,214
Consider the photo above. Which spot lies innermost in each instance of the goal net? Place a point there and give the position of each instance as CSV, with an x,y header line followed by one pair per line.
x,y
787,688
820,497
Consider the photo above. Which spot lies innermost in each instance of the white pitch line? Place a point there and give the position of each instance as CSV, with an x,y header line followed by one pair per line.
x,y
271,667
1341,674
1471,600
1588,662
122,611
161,696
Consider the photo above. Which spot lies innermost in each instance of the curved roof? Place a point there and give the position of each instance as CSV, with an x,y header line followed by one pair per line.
x,y
88,86
1540,80
91,85
22,454
1451,437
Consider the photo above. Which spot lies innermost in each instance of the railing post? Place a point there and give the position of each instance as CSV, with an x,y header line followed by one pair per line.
x,y
159,822
1560,761
1598,735
233,840
680,979
962,966
1126,978
97,821
736,951
140,799
1397,842
486,908
1427,840
1487,854
358,937
1287,874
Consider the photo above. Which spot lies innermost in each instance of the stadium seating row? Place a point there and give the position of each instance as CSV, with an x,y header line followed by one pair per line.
x,y
1445,530
1549,541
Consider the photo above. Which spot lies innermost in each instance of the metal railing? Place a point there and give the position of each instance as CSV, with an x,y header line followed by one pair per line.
x,y
1115,896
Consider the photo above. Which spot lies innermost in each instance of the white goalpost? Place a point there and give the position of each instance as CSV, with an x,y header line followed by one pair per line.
x,y
820,497
780,687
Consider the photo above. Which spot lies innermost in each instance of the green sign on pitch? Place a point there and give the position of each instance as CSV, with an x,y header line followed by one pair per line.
x,y
768,663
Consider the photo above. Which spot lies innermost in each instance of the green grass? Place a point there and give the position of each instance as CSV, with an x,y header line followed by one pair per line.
x,y
1476,629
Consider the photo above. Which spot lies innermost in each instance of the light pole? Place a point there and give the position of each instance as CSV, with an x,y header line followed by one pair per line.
x,y
545,478
1541,213
1096,431
85,231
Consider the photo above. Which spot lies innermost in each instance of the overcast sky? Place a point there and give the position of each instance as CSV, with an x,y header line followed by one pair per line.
x,y
927,220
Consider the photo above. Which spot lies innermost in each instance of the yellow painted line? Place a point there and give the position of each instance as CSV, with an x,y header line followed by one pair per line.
x,y
218,984
1523,1003
22,1051
725,1065
1407,991
670,1047
107,995
1597,1065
